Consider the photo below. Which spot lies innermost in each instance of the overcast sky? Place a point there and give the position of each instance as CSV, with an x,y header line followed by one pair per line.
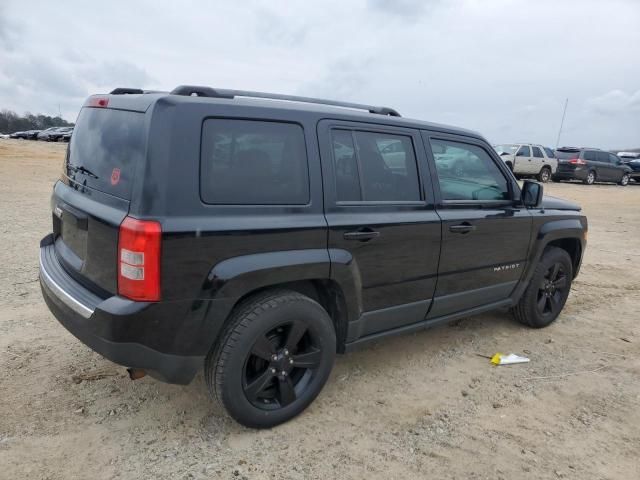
x,y
501,67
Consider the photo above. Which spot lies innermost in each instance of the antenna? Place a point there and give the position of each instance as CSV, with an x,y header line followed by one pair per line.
x,y
564,112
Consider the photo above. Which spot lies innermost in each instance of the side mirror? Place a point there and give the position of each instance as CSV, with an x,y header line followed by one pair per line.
x,y
531,194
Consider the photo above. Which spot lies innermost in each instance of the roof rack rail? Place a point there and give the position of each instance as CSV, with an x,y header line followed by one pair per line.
x,y
190,90
132,91
125,91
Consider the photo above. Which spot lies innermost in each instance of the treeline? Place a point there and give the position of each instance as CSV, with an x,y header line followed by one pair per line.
x,y
12,122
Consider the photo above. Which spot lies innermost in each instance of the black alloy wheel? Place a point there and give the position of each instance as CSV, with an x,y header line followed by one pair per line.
x,y
552,290
273,358
548,289
280,366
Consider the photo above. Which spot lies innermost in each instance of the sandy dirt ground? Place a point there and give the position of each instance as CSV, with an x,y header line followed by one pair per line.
x,y
418,406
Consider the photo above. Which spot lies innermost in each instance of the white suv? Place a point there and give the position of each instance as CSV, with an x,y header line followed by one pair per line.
x,y
528,159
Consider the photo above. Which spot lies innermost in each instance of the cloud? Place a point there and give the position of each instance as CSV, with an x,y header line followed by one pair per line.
x,y
276,28
501,67
401,8
9,31
615,102
118,73
343,79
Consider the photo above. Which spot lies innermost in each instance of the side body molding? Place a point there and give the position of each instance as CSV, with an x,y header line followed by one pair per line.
x,y
345,272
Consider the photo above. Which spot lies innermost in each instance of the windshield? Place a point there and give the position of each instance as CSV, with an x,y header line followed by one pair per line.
x,y
507,149
105,148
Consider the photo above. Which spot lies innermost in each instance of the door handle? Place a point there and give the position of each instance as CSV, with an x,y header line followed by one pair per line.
x,y
363,235
465,227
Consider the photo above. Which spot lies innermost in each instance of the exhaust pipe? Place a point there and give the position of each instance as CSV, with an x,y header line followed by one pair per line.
x,y
136,373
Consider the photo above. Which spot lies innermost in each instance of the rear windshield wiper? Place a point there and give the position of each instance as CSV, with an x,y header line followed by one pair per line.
x,y
82,169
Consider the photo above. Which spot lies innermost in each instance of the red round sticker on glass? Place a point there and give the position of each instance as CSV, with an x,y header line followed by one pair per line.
x,y
115,176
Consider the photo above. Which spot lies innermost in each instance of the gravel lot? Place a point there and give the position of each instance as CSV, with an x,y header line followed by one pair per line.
x,y
419,406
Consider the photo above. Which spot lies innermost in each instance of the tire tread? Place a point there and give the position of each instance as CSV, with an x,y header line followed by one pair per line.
x,y
521,311
248,311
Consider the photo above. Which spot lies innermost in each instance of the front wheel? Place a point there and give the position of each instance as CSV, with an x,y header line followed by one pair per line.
x,y
624,181
544,298
273,359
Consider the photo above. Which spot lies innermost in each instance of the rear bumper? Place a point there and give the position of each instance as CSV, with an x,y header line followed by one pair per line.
x,y
577,174
126,332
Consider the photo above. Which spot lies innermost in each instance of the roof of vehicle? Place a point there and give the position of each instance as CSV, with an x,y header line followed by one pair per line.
x,y
140,100
575,149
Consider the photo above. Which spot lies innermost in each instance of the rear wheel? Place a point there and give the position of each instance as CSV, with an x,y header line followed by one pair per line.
x,y
545,175
591,178
548,289
273,359
624,181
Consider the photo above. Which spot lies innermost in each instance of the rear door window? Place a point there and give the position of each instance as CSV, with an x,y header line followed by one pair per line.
x,y
247,162
602,157
524,151
105,148
374,167
537,153
590,155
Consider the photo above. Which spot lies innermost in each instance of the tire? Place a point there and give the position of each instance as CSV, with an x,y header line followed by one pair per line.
x,y
624,181
547,292
257,371
545,175
591,178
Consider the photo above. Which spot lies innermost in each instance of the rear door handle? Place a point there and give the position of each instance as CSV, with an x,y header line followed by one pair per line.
x,y
363,235
465,227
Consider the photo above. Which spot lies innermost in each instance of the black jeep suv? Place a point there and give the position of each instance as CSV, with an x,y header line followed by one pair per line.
x,y
258,235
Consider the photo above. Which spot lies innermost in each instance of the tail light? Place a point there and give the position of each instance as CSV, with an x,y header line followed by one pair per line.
x,y
577,161
139,244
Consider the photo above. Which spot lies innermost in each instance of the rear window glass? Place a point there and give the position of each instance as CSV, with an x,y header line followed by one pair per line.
x,y
105,148
562,154
246,162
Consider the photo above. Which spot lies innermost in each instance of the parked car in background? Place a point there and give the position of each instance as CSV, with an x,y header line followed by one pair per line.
x,y
52,134
452,161
632,160
32,134
528,160
17,135
66,136
590,165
